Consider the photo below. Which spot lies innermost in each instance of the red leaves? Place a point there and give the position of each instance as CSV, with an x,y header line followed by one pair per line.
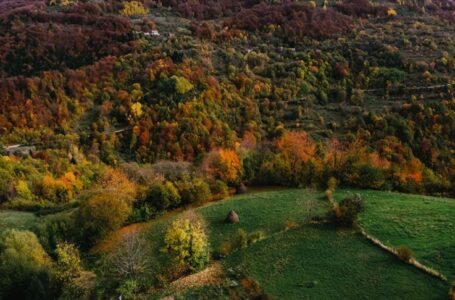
x,y
35,40
292,20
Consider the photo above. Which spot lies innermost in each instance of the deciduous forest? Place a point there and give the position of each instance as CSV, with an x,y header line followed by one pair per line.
x,y
125,126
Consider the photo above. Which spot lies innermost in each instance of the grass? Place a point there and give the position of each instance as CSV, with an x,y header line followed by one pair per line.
x,y
424,224
17,220
323,263
317,261
268,211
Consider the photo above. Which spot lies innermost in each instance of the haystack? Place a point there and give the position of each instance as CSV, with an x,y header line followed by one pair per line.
x,y
232,217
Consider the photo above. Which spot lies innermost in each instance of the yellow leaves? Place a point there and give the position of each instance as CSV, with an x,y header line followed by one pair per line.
x,y
133,8
391,12
59,2
188,243
136,93
136,110
22,191
182,85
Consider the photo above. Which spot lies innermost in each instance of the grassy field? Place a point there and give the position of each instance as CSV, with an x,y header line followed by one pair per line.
x,y
424,224
323,263
17,220
317,261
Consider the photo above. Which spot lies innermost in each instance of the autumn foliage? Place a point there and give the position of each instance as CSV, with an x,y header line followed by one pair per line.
x,y
108,206
223,165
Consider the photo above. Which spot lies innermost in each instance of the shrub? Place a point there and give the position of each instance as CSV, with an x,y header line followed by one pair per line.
x,y
241,239
133,9
225,248
187,242
256,237
346,212
404,253
128,289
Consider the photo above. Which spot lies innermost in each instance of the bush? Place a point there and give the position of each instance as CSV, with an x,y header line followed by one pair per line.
x,y
128,289
346,212
241,240
256,237
225,248
404,253
187,242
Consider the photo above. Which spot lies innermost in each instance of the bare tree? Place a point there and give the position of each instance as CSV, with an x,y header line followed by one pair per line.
x,y
131,258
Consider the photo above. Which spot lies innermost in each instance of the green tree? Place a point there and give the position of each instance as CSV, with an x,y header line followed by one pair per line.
x,y
103,213
24,267
74,281
163,196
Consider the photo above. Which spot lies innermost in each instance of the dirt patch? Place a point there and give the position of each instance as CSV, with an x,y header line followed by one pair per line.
x,y
209,276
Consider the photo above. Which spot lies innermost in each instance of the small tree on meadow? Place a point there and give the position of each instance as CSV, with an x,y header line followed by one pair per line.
x,y
346,212
187,242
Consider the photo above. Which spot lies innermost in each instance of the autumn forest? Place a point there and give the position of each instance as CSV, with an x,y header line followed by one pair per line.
x,y
114,114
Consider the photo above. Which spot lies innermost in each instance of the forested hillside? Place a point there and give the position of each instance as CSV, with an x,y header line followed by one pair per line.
x,y
115,112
